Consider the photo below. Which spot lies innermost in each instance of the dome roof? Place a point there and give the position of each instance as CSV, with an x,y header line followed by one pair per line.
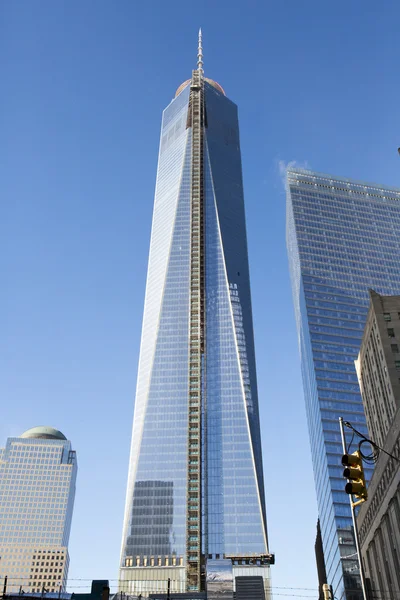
x,y
210,81
47,433
215,85
182,87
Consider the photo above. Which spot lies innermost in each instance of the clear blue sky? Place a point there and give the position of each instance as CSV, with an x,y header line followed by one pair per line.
x,y
83,85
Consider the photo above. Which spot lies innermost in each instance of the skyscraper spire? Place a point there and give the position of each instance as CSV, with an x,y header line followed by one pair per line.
x,y
200,53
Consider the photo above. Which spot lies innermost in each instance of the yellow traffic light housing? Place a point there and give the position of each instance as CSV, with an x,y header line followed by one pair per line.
x,y
354,473
327,591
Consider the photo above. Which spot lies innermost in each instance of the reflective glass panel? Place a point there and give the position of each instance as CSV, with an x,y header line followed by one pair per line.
x,y
343,238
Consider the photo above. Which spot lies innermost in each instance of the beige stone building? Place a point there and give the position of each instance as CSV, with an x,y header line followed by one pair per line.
x,y
37,490
378,370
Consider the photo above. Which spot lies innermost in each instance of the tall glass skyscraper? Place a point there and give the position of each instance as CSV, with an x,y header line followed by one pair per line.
x,y
343,237
37,492
195,500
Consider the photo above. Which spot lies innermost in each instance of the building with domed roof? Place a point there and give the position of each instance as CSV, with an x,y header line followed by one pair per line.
x,y
37,491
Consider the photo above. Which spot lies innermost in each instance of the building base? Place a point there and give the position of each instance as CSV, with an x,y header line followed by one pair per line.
x,y
224,581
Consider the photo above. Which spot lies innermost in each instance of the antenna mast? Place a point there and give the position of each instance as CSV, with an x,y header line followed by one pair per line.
x,y
200,54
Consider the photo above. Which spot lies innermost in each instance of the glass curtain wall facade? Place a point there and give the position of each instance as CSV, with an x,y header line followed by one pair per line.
x,y
343,237
195,486
37,491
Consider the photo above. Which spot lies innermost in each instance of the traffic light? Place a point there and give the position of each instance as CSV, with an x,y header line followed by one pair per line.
x,y
354,472
327,592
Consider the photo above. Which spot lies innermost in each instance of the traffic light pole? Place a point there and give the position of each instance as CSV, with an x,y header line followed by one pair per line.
x,y
352,507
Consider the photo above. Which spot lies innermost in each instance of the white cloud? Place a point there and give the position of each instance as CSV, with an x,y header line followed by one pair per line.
x,y
283,166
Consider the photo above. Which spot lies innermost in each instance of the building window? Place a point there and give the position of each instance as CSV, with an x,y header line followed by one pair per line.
x,y
394,348
387,316
390,332
397,364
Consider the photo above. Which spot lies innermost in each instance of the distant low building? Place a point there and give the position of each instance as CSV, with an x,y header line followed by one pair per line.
x,y
378,370
37,492
99,590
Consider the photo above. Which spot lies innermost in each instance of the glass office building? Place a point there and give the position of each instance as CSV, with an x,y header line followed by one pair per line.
x,y
37,491
343,237
195,498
